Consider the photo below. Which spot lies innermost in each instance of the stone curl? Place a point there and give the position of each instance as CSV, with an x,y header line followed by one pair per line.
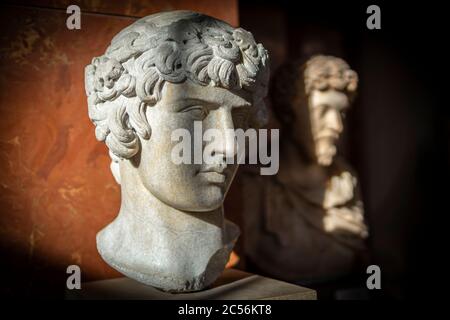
x,y
130,76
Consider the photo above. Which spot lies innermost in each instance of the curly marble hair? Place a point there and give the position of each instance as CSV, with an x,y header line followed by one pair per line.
x,y
328,72
294,82
168,47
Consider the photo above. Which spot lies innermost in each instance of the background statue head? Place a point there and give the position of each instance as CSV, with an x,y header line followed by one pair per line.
x,y
162,73
310,100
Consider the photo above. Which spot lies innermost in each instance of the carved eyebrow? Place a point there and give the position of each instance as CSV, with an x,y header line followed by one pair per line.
x,y
183,103
345,108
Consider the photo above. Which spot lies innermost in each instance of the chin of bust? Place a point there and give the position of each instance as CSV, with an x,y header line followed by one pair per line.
x,y
325,151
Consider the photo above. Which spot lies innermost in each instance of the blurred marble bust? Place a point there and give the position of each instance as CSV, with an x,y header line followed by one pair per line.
x,y
309,225
162,73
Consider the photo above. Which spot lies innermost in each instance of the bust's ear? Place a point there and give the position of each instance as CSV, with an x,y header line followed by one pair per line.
x,y
115,169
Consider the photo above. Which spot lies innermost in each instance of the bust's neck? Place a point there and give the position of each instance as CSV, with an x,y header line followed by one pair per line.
x,y
165,247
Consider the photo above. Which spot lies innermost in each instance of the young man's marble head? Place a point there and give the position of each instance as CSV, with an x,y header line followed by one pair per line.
x,y
311,100
162,73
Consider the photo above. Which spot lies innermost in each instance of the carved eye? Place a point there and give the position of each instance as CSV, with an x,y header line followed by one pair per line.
x,y
196,112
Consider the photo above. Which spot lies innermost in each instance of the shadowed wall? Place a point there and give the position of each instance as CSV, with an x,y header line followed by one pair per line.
x,y
57,191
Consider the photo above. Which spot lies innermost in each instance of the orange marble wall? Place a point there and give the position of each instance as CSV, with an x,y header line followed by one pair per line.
x,y
56,190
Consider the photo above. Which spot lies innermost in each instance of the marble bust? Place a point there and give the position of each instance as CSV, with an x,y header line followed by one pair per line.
x,y
165,72
306,223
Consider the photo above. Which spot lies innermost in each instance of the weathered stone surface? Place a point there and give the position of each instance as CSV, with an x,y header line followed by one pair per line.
x,y
166,72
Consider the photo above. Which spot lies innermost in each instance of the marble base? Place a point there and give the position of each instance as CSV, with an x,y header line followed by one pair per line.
x,y
231,285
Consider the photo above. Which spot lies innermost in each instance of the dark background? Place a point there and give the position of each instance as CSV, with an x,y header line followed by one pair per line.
x,y
397,134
